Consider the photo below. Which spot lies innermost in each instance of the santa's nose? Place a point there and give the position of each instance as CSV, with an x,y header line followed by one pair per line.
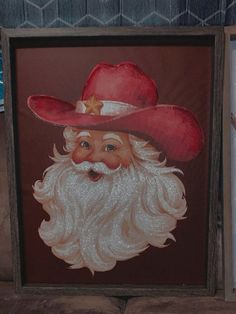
x,y
92,155
96,156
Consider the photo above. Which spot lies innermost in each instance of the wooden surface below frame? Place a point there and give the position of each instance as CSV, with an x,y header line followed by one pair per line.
x,y
8,38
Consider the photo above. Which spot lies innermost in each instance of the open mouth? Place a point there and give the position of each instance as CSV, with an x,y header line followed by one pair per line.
x,y
94,176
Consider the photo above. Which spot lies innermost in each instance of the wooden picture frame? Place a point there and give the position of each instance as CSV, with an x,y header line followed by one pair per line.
x,y
228,165
187,63
1,83
1,78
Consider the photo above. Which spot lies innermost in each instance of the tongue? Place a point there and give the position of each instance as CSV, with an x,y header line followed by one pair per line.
x,y
94,176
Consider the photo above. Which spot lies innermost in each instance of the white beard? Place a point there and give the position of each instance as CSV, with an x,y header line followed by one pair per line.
x,y
96,224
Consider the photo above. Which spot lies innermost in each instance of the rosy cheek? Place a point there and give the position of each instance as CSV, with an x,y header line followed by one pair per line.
x,y
114,161
78,156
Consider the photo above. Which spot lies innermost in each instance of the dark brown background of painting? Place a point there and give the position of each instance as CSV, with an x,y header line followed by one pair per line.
x,y
183,76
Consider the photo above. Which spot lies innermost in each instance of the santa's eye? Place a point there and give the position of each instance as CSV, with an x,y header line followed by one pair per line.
x,y
85,144
110,148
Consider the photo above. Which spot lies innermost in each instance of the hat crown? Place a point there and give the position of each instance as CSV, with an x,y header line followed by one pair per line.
x,y
124,82
123,98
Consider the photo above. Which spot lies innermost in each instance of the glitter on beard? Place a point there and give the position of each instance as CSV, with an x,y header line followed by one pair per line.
x,y
96,224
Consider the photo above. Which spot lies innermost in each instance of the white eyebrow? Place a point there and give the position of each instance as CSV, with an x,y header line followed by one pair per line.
x,y
113,136
83,133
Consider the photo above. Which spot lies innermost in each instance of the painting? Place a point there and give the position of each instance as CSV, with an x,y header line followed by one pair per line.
x,y
111,196
113,138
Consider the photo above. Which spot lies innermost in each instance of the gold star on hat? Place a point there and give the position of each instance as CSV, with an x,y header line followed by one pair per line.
x,y
93,106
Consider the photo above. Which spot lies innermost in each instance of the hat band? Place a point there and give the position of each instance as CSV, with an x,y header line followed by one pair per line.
x,y
109,108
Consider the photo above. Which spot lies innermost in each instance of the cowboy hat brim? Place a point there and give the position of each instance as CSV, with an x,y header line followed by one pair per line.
x,y
174,129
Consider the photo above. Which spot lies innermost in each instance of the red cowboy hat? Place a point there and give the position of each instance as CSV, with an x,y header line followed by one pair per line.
x,y
123,98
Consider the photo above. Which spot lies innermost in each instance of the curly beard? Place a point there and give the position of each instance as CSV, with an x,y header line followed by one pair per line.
x,y
96,224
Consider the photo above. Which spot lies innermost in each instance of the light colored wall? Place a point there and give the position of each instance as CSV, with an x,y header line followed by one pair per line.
x,y
80,13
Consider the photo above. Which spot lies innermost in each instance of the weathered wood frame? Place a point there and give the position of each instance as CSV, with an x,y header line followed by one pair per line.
x,y
230,291
11,40
0,44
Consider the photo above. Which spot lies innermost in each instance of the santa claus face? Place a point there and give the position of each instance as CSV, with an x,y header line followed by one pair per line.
x,y
108,198
111,148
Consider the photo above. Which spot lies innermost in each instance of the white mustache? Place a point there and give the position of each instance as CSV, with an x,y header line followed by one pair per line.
x,y
99,167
